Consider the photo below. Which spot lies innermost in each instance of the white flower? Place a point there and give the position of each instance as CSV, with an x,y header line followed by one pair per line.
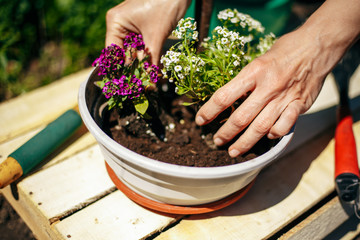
x,y
206,39
193,27
181,76
231,72
174,58
178,68
201,63
195,35
224,40
235,20
182,29
234,36
187,25
236,63
217,28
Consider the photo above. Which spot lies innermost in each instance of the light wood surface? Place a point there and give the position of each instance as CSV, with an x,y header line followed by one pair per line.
x,y
70,196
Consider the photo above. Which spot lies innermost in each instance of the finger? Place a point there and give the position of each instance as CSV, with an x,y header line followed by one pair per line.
x,y
154,43
286,120
257,129
113,37
117,25
240,118
224,97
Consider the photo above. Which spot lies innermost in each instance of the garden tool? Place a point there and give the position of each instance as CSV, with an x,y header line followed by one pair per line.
x,y
347,177
30,154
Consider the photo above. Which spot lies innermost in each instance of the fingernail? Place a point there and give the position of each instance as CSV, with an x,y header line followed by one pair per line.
x,y
199,120
270,136
234,153
218,141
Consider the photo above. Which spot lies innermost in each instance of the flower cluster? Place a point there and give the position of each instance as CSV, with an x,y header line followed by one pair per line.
x,y
124,76
186,29
110,59
236,19
222,56
134,41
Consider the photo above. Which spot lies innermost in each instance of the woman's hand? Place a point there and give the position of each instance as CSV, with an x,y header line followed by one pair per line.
x,y
284,82
154,19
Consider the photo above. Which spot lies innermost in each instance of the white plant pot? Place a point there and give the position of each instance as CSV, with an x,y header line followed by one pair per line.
x,y
169,183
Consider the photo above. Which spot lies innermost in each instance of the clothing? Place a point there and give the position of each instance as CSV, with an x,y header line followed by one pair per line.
x,y
273,14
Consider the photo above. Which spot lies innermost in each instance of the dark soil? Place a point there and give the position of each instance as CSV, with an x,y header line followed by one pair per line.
x,y
11,225
184,143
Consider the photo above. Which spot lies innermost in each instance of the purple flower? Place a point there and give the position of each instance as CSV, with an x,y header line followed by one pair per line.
x,y
146,65
119,78
134,41
111,59
154,73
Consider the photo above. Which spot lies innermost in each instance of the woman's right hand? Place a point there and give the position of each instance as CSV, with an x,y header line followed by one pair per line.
x,y
154,19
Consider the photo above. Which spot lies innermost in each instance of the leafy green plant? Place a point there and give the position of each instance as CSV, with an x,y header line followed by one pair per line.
x,y
198,74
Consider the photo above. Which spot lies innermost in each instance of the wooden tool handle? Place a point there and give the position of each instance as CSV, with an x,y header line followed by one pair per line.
x,y
26,157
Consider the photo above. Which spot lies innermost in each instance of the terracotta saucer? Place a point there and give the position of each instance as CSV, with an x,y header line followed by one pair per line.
x,y
174,209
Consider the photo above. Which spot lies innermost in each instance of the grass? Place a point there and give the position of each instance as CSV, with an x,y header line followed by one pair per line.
x,y
44,40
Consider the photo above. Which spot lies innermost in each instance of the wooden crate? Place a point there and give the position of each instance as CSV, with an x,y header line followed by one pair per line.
x,y
70,196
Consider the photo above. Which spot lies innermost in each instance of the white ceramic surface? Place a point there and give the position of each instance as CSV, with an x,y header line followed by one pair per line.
x,y
168,183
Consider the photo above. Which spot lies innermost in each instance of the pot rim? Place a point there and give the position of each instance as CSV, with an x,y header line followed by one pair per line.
x,y
171,169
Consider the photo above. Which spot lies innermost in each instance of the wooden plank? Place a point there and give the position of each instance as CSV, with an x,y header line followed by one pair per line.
x,y
40,106
59,190
75,197
265,205
332,215
69,185
113,217
281,193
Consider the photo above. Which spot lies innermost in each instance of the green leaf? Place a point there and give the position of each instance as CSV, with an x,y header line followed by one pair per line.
x,y
141,105
100,84
137,73
188,103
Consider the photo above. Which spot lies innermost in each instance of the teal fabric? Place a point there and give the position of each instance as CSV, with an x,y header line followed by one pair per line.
x,y
273,14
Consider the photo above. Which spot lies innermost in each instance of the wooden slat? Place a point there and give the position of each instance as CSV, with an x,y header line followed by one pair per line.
x,y
113,217
71,198
57,191
40,106
69,185
332,215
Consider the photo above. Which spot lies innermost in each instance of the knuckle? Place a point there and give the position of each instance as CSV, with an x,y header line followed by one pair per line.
x,y
205,115
221,98
110,14
262,126
279,131
239,120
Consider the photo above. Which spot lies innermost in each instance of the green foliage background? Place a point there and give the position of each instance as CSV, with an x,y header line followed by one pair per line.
x,y
43,40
